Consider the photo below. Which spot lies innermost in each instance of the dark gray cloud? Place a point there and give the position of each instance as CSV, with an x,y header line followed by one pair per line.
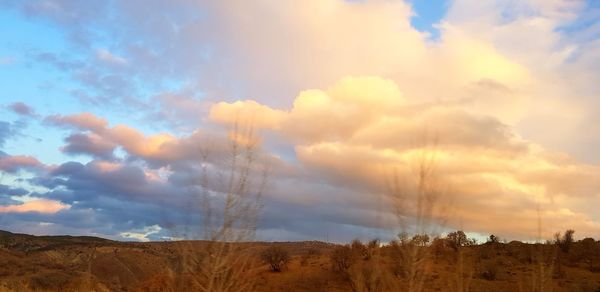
x,y
112,197
11,191
106,192
107,201
6,192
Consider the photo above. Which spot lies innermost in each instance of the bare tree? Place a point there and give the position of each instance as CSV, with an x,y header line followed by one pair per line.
x,y
342,258
229,201
456,239
225,266
420,239
423,199
565,241
493,239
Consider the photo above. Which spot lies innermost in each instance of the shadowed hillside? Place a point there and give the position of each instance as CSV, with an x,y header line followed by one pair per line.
x,y
65,263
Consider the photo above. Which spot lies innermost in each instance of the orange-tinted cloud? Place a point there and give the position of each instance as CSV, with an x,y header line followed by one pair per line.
x,y
14,163
84,121
361,129
38,206
501,90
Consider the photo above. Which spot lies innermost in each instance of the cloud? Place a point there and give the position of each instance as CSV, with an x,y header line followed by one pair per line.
x,y
58,61
83,121
501,74
102,78
273,61
13,164
159,149
106,56
481,159
38,206
106,179
91,144
183,110
12,130
22,109
142,235
7,193
5,132
544,36
10,191
358,131
512,60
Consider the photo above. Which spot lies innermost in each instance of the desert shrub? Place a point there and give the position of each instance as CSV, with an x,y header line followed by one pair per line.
x,y
582,251
403,237
589,252
342,257
364,251
420,239
372,248
408,263
359,249
438,246
373,244
276,257
394,252
489,270
493,239
369,275
588,242
457,239
565,241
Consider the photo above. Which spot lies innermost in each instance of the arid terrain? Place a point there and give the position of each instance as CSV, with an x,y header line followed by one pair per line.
x,y
65,263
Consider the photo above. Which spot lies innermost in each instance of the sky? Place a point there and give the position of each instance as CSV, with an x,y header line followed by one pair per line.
x,y
106,109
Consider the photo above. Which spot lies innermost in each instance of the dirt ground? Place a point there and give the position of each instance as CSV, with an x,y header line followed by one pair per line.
x,y
29,263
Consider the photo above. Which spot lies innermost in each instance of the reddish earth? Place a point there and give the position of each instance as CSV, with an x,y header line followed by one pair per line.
x,y
64,263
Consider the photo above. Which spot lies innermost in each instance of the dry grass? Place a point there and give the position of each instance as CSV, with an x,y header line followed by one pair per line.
x,y
158,267
228,204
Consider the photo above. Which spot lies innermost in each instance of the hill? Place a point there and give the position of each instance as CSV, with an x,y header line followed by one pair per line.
x,y
66,263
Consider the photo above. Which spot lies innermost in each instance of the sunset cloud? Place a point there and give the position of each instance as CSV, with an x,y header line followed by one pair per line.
x,y
361,129
37,206
15,163
130,104
82,121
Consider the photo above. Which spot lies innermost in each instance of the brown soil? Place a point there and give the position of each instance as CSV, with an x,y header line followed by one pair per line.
x,y
63,263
